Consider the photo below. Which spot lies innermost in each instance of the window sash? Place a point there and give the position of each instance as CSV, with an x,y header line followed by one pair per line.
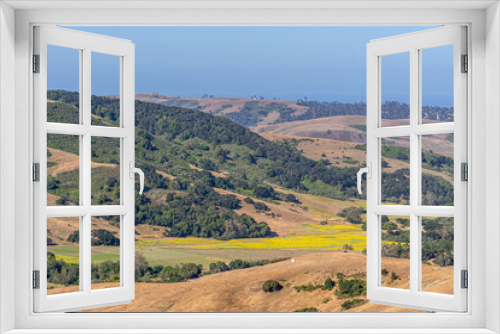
x,y
87,43
414,297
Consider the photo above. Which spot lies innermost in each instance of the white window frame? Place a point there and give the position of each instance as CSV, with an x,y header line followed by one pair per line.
x,y
484,50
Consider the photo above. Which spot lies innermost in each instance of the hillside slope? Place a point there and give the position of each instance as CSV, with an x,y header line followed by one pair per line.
x,y
240,290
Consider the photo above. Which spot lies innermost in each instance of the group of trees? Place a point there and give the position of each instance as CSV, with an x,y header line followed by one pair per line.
x,y
99,237
390,110
66,273
353,214
202,212
219,266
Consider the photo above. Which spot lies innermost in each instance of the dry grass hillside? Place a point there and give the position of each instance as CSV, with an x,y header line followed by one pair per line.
x,y
221,105
344,154
240,290
347,129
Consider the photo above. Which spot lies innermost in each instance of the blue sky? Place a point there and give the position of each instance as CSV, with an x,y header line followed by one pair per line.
x,y
322,63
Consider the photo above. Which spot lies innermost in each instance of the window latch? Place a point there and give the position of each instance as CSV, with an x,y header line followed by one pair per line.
x,y
134,170
368,171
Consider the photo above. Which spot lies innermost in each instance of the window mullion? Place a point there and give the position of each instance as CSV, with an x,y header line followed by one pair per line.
x,y
85,184
415,269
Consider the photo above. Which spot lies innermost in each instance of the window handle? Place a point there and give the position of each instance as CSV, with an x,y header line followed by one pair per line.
x,y
134,170
368,171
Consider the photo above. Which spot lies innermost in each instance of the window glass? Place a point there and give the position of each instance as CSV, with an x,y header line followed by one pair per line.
x,y
105,89
395,89
395,244
437,169
105,171
63,255
105,239
395,160
437,253
63,170
437,84
63,85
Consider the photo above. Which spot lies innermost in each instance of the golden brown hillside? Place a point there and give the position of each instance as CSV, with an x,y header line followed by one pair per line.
x,y
240,290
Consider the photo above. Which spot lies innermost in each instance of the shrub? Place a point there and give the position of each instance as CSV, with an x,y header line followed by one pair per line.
x,y
350,288
271,286
323,222
347,247
385,272
307,309
348,304
329,284
291,198
261,207
308,288
394,276
248,200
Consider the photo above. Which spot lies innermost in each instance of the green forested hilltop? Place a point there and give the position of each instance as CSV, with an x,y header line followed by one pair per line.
x,y
199,152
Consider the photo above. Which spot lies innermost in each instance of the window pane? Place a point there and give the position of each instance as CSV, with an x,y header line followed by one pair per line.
x,y
63,85
105,252
437,254
63,255
63,170
395,169
105,171
437,169
395,89
437,84
105,89
395,244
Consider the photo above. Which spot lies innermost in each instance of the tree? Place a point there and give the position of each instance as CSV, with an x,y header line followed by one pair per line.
x,y
74,237
190,270
290,198
141,264
218,267
262,192
104,237
238,264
